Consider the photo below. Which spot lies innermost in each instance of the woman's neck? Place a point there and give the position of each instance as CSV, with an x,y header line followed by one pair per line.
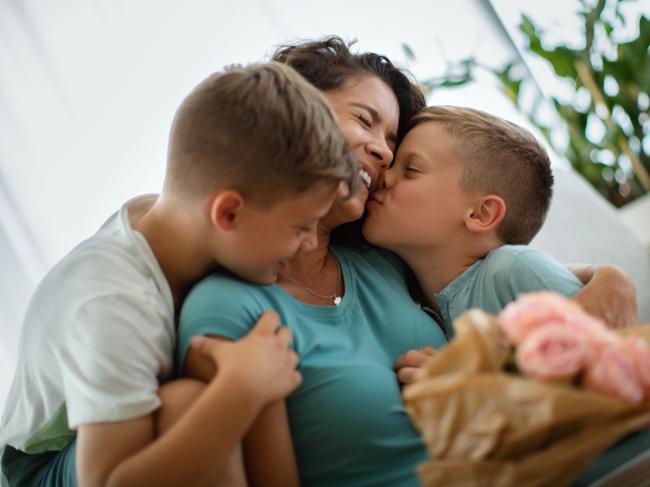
x,y
314,277
311,264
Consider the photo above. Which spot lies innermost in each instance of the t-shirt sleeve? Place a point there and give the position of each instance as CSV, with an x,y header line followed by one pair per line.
x,y
116,352
218,305
517,270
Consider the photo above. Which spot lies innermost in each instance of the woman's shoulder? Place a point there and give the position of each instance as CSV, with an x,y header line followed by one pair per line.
x,y
371,256
225,282
222,294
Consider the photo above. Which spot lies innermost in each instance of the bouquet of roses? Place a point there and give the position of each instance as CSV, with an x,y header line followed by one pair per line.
x,y
530,397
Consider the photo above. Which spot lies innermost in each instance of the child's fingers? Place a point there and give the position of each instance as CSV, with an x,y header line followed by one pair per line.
x,y
197,342
292,359
407,375
429,350
268,323
284,336
412,358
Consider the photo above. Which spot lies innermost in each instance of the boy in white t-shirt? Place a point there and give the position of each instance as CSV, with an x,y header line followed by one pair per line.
x,y
255,158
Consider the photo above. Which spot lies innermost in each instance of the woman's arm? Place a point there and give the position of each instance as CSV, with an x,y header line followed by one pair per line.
x,y
268,450
609,293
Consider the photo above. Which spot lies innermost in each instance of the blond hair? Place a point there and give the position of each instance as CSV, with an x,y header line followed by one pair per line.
x,y
499,158
262,130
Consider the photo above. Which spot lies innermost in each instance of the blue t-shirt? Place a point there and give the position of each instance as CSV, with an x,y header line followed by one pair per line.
x,y
497,279
347,419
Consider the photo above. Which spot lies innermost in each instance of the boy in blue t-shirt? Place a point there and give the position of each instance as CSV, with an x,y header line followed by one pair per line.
x,y
465,195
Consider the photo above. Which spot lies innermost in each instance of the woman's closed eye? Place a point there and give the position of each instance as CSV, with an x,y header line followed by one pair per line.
x,y
365,120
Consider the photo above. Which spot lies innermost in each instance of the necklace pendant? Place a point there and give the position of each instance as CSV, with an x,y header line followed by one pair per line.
x,y
337,300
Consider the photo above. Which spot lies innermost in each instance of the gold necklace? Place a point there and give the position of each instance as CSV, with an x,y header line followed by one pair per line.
x,y
334,297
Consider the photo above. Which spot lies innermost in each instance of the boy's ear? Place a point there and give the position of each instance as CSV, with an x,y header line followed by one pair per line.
x,y
225,209
486,214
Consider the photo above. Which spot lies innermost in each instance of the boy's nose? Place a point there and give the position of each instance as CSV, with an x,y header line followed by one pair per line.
x,y
309,242
343,190
387,179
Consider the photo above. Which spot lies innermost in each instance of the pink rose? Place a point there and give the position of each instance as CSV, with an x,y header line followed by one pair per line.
x,y
640,356
530,311
614,374
554,352
595,331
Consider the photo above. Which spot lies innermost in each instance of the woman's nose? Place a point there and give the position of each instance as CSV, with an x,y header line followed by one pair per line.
x,y
380,153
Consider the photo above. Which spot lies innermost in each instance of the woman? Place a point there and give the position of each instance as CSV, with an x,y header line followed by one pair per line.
x,y
347,305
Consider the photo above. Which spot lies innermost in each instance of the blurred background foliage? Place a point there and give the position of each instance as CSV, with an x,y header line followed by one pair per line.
x,y
601,122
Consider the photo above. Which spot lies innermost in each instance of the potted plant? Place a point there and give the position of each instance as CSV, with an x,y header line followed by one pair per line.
x,y
610,78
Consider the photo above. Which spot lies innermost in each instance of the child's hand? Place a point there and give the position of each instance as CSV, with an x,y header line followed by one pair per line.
x,y
408,365
609,294
261,362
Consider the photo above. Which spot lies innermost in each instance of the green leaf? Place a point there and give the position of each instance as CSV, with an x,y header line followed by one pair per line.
x,y
630,69
408,52
511,85
531,32
563,61
562,58
454,83
609,28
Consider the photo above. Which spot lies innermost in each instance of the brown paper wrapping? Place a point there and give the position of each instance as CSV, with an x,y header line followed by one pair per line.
x,y
486,427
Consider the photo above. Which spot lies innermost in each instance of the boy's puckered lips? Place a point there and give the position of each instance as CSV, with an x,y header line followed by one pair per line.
x,y
376,198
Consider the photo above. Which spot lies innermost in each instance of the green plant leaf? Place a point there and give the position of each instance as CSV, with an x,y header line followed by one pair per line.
x,y
630,69
408,52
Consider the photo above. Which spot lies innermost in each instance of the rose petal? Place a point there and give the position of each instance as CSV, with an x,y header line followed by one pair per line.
x,y
553,352
614,374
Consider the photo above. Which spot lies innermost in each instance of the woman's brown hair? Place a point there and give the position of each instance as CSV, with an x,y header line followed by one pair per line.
x,y
329,63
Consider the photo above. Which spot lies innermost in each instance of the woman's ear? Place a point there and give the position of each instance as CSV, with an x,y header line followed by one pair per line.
x,y
486,214
225,209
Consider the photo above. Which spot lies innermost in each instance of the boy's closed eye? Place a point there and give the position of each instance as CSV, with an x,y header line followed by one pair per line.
x,y
410,168
305,228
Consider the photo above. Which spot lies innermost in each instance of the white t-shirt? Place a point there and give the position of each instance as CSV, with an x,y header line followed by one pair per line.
x,y
97,339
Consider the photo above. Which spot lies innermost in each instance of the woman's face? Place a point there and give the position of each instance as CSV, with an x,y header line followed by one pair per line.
x,y
368,114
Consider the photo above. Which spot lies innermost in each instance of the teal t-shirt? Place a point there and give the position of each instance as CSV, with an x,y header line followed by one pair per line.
x,y
347,419
497,279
